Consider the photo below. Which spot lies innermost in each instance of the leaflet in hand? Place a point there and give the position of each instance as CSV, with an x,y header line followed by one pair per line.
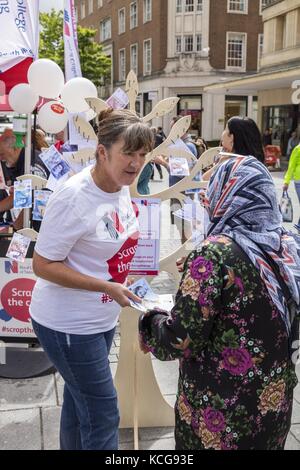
x,y
142,289
41,199
18,248
118,100
55,164
22,194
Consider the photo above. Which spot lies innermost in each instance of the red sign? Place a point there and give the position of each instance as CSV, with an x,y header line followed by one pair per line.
x,y
16,298
58,108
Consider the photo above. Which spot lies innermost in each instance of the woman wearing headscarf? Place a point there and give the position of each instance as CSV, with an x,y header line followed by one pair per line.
x,y
231,326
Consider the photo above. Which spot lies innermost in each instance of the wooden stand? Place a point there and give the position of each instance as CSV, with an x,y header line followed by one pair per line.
x,y
140,400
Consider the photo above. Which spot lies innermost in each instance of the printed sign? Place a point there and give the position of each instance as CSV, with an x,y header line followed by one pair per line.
x,y
16,284
118,100
146,259
19,26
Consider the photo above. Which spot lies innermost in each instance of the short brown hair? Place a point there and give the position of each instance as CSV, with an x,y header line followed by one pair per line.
x,y
117,124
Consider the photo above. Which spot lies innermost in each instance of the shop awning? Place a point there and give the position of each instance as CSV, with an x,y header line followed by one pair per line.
x,y
252,84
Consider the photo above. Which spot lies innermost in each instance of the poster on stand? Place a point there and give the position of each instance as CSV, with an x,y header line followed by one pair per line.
x,y
146,259
17,281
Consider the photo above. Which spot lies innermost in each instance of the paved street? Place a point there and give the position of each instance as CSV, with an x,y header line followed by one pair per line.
x,y
30,409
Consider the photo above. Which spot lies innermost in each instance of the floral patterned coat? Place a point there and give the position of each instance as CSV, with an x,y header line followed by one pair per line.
x,y
236,378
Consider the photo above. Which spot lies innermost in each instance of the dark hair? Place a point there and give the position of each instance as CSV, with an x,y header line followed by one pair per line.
x,y
247,138
116,124
176,119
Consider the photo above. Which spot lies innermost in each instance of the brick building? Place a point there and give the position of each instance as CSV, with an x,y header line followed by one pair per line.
x,y
277,82
177,48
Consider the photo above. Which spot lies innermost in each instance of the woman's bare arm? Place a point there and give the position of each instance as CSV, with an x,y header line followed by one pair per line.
x,y
59,273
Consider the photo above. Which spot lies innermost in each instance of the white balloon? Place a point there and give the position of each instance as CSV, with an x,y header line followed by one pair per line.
x,y
46,78
74,93
53,117
22,98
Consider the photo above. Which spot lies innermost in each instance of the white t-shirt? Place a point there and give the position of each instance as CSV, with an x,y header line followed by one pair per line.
x,y
94,233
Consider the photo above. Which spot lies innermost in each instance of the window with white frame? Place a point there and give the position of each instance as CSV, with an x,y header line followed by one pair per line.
x,y
198,42
189,6
179,6
189,43
91,6
236,51
122,21
147,10
133,15
237,6
178,44
262,5
199,6
105,29
260,45
134,58
122,65
100,3
260,49
82,10
147,57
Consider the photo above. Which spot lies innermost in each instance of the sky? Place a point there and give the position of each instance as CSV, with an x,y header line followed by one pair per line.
x,y
46,5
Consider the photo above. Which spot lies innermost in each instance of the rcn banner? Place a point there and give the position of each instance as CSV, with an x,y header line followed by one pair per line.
x,y
72,62
19,29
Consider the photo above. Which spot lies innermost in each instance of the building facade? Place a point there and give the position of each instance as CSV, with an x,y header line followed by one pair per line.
x,y
277,83
177,48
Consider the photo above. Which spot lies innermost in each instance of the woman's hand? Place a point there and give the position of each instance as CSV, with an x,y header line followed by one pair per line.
x,y
130,281
143,346
121,294
285,187
160,161
180,263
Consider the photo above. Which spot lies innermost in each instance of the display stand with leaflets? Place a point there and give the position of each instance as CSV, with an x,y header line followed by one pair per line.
x,y
20,353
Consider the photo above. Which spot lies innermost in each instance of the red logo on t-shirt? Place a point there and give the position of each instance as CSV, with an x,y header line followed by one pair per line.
x,y
117,222
119,264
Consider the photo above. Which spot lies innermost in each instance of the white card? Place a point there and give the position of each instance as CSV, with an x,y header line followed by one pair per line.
x,y
18,248
142,289
118,100
179,166
41,199
22,194
54,162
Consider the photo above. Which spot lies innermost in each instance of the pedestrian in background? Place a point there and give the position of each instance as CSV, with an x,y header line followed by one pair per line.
x,y
293,172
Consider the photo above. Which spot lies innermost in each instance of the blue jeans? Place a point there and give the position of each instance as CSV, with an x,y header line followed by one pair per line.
x,y
90,416
297,187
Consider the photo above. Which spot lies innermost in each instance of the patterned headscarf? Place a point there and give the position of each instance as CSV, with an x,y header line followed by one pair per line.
x,y
243,205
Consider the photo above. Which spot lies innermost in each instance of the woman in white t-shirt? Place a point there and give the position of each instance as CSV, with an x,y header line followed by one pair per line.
x,y
82,259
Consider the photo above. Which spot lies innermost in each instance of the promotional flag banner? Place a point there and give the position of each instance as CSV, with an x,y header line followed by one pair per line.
x,y
19,26
72,61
